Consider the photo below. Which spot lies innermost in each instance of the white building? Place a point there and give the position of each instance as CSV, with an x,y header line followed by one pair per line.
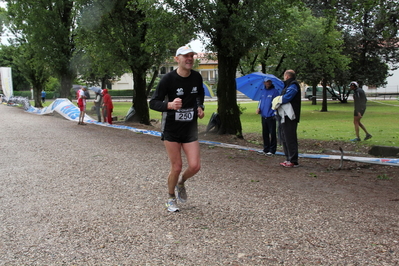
x,y
125,82
391,87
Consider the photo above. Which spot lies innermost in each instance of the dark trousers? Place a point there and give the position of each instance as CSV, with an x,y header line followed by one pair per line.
x,y
269,134
98,111
290,140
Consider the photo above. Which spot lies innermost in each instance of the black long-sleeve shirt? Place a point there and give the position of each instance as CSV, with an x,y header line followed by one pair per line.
x,y
190,89
359,96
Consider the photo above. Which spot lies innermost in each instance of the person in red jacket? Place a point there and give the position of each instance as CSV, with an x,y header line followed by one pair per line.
x,y
107,107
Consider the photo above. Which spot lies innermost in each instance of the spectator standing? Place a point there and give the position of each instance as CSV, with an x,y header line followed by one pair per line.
x,y
43,96
108,107
98,103
268,116
82,104
289,112
360,100
180,97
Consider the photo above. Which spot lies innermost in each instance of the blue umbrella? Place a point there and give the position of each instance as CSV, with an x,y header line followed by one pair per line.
x,y
252,84
208,91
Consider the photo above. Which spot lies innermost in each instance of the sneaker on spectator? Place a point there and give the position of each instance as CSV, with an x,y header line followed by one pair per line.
x,y
288,164
181,193
171,205
368,136
269,153
356,139
261,152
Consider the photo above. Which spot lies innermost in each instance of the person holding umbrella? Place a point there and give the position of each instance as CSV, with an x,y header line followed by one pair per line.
x,y
268,116
107,107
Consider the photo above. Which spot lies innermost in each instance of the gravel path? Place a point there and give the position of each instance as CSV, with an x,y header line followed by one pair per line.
x,y
91,195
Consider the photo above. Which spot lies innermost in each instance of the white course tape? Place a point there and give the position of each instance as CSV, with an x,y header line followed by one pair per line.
x,y
71,112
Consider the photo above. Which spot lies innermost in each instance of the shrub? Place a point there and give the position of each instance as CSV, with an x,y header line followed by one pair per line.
x,y
120,92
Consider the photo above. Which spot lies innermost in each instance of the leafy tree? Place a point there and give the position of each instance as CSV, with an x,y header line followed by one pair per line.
x,y
308,44
272,52
53,85
370,30
7,59
138,35
49,28
33,70
317,53
96,63
233,28
96,67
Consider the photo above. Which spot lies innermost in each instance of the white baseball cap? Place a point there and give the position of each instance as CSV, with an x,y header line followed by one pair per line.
x,y
184,50
354,83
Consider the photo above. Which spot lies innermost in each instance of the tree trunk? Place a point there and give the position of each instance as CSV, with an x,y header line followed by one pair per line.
x,y
37,96
140,103
66,85
228,110
314,93
324,102
151,84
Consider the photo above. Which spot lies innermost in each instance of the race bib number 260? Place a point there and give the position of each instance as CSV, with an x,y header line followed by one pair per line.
x,y
184,115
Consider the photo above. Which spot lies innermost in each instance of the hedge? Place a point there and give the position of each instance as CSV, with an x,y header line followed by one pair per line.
x,y
120,92
51,94
27,94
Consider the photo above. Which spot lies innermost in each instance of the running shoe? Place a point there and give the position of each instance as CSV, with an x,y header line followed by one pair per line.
x,y
171,205
368,136
181,193
356,139
269,154
261,152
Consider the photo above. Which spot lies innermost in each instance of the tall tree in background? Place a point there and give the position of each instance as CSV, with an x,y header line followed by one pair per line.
x,y
49,28
317,52
269,56
33,70
371,37
137,33
94,62
8,56
233,28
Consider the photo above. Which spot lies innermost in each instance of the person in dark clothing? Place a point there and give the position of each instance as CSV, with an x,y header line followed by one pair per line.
x,y
43,96
268,116
290,112
98,101
180,98
360,100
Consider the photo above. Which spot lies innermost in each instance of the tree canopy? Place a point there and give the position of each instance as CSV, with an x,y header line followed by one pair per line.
x,y
233,27
340,41
128,35
49,28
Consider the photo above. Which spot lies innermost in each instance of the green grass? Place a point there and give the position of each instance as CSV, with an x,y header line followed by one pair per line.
x,y
381,120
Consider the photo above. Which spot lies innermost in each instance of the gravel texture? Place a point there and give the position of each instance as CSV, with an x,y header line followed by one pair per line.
x,y
92,195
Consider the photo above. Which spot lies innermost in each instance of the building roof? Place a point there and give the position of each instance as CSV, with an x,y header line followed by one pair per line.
x,y
207,59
